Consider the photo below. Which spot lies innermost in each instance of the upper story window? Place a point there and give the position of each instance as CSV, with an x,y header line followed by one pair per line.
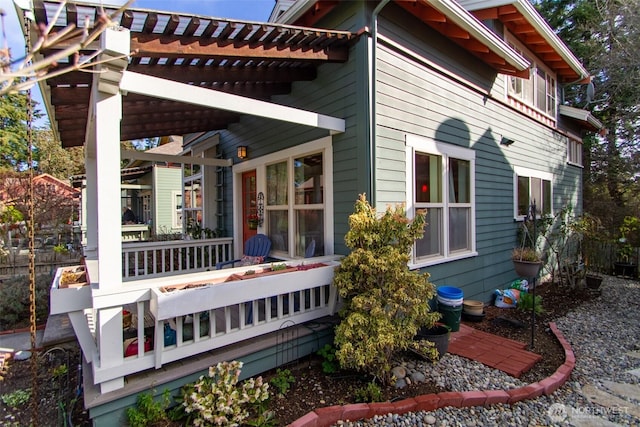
x,y
539,90
532,187
443,184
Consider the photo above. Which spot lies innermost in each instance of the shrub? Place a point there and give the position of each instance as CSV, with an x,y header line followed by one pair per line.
x,y
282,381
16,398
218,400
525,303
14,301
384,302
148,411
369,393
329,362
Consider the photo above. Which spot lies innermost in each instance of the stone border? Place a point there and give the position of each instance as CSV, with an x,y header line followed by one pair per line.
x,y
327,416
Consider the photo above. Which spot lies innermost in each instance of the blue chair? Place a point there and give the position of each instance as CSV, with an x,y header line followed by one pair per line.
x,y
311,249
255,246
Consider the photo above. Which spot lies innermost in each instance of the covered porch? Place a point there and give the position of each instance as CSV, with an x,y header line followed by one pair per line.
x,y
144,306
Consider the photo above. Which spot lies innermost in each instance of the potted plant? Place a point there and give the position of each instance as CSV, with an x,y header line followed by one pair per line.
x,y
526,261
625,264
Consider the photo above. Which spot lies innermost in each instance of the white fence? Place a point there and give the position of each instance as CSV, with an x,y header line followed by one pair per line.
x,y
154,259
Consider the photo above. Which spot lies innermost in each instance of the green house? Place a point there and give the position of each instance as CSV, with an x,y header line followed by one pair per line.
x,y
453,107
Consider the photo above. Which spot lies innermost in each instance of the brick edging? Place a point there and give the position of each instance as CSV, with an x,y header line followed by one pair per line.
x,y
21,330
327,416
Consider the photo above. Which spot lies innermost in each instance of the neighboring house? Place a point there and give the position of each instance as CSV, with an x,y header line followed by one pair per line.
x,y
443,105
153,191
56,203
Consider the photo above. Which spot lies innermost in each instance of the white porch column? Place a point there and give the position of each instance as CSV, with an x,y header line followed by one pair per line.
x,y
106,104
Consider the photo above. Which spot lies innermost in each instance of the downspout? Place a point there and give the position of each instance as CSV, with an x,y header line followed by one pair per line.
x,y
372,100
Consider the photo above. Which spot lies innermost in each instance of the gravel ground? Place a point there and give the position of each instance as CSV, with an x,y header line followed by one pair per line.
x,y
602,333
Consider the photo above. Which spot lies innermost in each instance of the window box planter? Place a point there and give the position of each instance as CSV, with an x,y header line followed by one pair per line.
x,y
179,299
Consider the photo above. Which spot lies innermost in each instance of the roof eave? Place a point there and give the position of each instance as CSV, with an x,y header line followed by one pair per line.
x,y
468,22
581,115
530,13
539,24
295,12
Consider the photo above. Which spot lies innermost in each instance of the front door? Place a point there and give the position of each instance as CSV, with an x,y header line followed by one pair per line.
x,y
249,205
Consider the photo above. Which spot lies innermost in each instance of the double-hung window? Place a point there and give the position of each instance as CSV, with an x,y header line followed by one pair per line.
x,y
532,187
539,90
297,198
574,152
441,181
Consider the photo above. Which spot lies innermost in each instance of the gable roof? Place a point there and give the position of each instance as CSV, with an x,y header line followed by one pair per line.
x,y
252,59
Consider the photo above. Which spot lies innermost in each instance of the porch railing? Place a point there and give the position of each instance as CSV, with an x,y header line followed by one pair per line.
x,y
154,259
169,326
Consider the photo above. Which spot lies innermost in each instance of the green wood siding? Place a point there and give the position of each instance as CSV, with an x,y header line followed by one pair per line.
x,y
168,180
337,91
414,96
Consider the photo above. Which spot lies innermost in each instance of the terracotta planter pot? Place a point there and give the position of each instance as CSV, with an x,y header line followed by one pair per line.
x,y
526,268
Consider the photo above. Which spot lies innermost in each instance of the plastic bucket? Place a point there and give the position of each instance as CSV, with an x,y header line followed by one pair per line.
x,y
449,301
449,292
451,316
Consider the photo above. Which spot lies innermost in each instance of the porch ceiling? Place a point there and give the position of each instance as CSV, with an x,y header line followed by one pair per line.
x,y
251,59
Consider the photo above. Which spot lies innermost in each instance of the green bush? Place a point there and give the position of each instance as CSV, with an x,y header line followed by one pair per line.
x,y
385,303
14,301
16,398
329,362
370,393
282,381
148,410
525,302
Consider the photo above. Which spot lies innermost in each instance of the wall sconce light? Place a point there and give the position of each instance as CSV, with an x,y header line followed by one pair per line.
x,y
242,152
506,141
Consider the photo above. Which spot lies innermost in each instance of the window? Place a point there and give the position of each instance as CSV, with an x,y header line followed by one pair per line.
x,y
539,90
574,152
443,184
300,216
532,186
177,209
192,195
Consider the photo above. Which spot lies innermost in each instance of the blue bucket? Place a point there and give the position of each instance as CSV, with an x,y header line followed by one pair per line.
x,y
449,292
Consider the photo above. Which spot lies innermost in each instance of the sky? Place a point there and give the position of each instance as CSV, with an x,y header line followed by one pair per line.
x,y
248,10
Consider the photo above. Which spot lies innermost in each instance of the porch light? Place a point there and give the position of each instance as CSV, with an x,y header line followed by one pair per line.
x,y
506,141
242,152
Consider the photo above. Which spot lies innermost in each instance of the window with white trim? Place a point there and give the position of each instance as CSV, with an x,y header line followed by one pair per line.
x,y
574,152
176,212
442,183
302,214
532,186
539,90
192,195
